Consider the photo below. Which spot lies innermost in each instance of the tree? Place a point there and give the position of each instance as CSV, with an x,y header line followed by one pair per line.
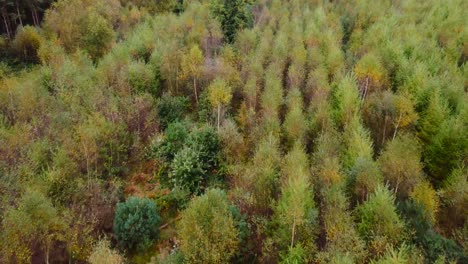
x,y
295,212
144,78
192,67
187,170
454,213
433,117
197,162
136,223
35,219
404,112
171,109
26,44
425,195
358,143
103,254
83,24
346,100
98,35
401,255
219,94
174,138
341,234
379,116
447,149
371,74
378,220
272,96
265,173
365,178
400,164
207,229
233,15
294,124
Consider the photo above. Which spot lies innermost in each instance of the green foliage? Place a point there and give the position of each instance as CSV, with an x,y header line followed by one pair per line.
x,y
446,149
357,142
193,156
187,170
98,37
175,136
207,229
154,7
233,16
435,245
346,100
295,213
400,164
295,255
378,220
144,78
205,140
294,124
35,219
83,24
265,173
172,109
136,223
432,244
365,178
398,256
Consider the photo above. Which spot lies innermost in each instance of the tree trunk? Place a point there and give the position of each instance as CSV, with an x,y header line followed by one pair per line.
x,y
396,128
35,17
293,232
219,114
19,14
365,88
7,25
195,90
384,130
176,81
47,251
87,163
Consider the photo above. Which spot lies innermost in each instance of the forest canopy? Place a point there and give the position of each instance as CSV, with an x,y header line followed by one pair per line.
x,y
233,131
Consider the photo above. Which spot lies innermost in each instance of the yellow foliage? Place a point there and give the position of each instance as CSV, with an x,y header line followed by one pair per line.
x,y
219,93
27,42
103,254
191,63
369,66
424,194
405,111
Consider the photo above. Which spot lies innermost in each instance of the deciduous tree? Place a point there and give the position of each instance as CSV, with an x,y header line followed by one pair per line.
x,y
207,229
219,94
192,67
